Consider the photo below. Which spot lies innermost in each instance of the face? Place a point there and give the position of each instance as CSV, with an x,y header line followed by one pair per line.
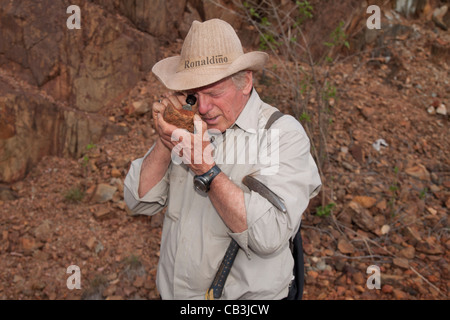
x,y
220,104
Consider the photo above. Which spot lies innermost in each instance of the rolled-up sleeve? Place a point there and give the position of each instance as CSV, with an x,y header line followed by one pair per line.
x,y
154,200
295,182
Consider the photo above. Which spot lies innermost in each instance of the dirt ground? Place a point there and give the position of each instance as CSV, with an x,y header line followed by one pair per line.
x,y
391,206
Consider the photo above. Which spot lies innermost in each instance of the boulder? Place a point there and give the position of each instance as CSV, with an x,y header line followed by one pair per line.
x,y
55,80
88,67
39,127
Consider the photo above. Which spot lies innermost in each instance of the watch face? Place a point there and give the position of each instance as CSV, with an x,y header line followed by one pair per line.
x,y
200,185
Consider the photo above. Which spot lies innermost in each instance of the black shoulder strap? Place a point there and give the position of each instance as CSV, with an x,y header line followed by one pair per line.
x,y
274,117
296,287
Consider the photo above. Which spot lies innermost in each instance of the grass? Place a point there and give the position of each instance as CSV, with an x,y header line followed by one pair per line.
x,y
74,194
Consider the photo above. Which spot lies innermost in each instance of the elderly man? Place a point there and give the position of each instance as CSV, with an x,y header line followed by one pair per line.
x,y
207,203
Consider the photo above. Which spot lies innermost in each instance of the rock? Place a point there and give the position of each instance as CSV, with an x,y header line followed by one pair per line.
x,y
99,247
393,280
340,291
50,74
357,152
141,107
90,243
419,171
362,217
401,262
109,59
44,127
7,194
139,281
359,278
412,235
368,112
308,248
440,51
408,253
385,229
345,217
399,294
179,117
345,247
102,213
212,10
429,248
190,14
366,202
442,110
382,205
103,193
438,17
321,265
18,279
142,14
387,288
129,290
115,173
43,231
30,244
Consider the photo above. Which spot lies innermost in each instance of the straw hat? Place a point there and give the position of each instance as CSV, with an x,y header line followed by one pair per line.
x,y
211,51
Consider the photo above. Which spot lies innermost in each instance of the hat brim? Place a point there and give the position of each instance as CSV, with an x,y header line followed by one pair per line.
x,y
167,73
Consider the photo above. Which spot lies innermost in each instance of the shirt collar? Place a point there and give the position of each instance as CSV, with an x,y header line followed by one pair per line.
x,y
248,118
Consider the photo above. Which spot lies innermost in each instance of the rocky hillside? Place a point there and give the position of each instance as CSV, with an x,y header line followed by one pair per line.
x,y
74,111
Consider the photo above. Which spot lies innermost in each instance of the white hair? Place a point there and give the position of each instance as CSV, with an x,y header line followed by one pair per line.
x,y
239,79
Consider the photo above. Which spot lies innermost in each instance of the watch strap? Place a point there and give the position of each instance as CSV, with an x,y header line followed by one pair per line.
x,y
212,173
208,176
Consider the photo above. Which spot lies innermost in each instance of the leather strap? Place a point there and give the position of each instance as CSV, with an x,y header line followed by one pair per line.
x,y
216,288
274,117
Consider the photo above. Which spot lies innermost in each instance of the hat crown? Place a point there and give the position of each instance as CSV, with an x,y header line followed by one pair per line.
x,y
211,52
214,42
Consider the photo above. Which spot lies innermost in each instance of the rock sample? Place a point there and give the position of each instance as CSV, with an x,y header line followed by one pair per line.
x,y
180,118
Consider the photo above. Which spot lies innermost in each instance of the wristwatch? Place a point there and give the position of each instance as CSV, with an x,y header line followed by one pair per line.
x,y
202,182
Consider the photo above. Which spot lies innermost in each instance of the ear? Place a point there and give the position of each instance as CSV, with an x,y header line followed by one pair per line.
x,y
248,83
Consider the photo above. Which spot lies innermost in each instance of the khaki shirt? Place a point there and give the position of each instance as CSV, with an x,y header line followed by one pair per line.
x,y
194,237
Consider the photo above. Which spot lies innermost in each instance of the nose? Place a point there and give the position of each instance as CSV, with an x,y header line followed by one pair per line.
x,y
204,104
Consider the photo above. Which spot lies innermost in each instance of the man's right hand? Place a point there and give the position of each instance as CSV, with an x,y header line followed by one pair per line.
x,y
163,128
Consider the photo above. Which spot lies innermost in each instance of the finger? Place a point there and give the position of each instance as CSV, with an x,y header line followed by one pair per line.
x,y
199,124
181,98
176,101
157,108
168,144
167,94
164,127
